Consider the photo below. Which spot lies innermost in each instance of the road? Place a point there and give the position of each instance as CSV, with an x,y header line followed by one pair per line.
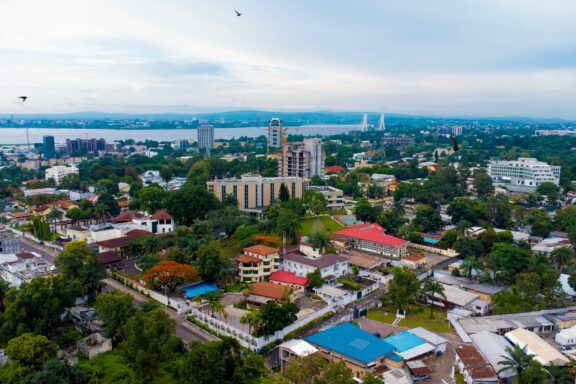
x,y
47,253
186,331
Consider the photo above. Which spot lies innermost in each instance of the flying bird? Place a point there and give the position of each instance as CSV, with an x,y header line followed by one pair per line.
x,y
24,98
454,143
237,13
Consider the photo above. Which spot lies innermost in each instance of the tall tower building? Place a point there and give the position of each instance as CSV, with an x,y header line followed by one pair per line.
x,y
275,133
206,137
49,149
304,159
382,123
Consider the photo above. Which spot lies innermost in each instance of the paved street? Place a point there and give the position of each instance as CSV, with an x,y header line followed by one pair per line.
x,y
186,331
47,253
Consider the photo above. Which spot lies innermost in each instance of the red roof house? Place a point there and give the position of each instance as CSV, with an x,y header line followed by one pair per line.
x,y
371,238
288,279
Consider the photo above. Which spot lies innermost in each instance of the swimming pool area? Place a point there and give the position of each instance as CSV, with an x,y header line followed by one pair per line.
x,y
430,240
348,220
198,289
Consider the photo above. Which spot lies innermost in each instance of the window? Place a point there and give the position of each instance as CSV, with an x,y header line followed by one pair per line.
x,y
223,192
246,196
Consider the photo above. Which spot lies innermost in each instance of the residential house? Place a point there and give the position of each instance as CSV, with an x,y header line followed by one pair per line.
x,y
121,245
292,349
414,261
484,291
331,266
258,262
288,279
455,297
263,291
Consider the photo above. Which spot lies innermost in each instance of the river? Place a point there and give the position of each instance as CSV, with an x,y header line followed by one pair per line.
x,y
18,135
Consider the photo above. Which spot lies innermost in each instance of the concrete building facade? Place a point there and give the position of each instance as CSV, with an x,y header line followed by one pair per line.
x,y
59,171
206,137
523,175
304,159
275,133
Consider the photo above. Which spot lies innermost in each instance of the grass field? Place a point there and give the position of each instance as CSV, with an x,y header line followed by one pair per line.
x,y
323,224
415,319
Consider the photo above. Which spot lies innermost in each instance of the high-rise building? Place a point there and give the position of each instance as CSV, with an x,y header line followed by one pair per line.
x,y
524,174
58,172
49,148
275,133
254,192
304,159
85,145
457,130
206,137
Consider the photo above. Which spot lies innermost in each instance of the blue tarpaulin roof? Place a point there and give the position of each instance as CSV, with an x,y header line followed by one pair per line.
x,y
353,342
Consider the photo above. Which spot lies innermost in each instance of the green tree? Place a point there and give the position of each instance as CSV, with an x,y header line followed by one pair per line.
x,y
71,181
366,212
107,199
468,247
542,227
319,241
315,201
315,279
152,198
209,260
433,289
392,219
467,209
427,218
190,203
30,350
572,280
507,260
287,223
57,372
499,211
4,287
228,219
371,379
79,261
482,183
313,369
562,257
471,264
516,359
550,190
274,317
403,289
565,218
149,341
114,308
284,193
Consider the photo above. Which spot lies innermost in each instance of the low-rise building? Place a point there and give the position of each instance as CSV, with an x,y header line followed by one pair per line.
x,y
455,297
331,266
289,279
543,352
58,172
414,261
334,196
371,238
292,349
473,366
483,290
9,242
361,351
22,267
409,346
566,336
493,348
258,262
264,291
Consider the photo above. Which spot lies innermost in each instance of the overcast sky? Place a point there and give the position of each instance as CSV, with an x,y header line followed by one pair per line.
x,y
436,57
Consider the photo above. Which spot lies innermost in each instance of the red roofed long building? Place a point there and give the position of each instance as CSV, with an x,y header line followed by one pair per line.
x,y
288,279
371,238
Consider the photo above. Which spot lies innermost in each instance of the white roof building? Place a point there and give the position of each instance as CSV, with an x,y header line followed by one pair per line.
x,y
298,348
566,336
535,345
565,286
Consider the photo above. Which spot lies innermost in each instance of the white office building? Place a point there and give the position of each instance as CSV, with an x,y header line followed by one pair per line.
x,y
206,137
58,172
523,175
275,133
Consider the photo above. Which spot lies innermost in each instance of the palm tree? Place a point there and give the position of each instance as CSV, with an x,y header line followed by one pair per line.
x,y
560,375
470,264
562,257
251,318
101,211
54,216
213,299
228,270
433,288
319,241
516,359
462,226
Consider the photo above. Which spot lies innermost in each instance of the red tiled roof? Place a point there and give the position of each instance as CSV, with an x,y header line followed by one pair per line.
x,y
65,204
415,257
288,277
269,290
20,214
260,249
162,214
475,363
127,216
25,255
121,242
371,232
243,258
334,169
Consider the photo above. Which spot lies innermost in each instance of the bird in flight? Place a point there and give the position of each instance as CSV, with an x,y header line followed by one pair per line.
x,y
454,143
237,13
24,98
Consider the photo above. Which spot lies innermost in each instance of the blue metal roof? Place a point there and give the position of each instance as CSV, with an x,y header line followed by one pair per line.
x,y
353,342
404,341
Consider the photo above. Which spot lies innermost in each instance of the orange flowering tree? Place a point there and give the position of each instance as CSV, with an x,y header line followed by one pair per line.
x,y
170,274
270,240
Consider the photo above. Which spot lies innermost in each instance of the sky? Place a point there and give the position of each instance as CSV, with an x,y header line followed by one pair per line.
x,y
423,57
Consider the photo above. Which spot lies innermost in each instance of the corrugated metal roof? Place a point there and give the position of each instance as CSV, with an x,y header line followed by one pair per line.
x,y
493,347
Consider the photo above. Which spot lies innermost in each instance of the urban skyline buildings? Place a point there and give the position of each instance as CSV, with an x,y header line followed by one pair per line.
x,y
275,133
303,159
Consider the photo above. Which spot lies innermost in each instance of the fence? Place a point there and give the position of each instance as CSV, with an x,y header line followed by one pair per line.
x,y
441,252
247,340
142,289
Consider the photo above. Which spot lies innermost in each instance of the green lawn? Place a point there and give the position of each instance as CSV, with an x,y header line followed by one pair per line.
x,y
415,319
323,224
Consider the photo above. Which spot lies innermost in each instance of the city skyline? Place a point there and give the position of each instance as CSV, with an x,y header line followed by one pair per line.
x,y
497,58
